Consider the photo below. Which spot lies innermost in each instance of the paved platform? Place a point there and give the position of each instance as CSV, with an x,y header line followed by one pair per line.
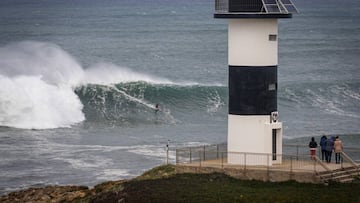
x,y
299,170
287,165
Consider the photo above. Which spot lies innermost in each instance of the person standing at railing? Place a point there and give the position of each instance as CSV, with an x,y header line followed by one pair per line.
x,y
313,145
323,147
338,147
329,148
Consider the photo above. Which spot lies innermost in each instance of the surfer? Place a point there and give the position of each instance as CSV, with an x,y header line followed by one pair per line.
x,y
157,108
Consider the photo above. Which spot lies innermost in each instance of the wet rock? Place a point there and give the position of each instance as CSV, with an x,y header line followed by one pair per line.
x,y
46,194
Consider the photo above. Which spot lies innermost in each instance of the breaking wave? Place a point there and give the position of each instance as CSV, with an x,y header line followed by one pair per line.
x,y
42,86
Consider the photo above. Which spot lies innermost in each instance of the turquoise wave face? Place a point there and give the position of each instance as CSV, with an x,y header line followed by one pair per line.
x,y
134,102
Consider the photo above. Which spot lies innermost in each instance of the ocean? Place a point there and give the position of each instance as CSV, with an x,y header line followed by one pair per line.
x,y
79,80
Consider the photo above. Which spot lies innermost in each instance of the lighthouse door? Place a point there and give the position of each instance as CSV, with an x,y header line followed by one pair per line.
x,y
274,144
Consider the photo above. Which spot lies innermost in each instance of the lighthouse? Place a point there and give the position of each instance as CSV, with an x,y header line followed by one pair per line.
x,y
254,130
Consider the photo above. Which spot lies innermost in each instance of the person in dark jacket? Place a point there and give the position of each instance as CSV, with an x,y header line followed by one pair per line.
x,y
329,148
157,108
313,145
323,146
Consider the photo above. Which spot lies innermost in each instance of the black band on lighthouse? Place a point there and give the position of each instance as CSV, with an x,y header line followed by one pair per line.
x,y
252,90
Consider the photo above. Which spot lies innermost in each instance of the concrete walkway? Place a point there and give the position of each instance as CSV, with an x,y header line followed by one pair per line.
x,y
299,170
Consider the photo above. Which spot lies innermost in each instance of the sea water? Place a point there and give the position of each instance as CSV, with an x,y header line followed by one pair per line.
x,y
79,80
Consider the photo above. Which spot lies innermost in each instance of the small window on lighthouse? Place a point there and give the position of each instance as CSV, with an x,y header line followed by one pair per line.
x,y
272,87
272,37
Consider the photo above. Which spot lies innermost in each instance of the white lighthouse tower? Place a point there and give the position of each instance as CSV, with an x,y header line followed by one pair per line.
x,y
254,132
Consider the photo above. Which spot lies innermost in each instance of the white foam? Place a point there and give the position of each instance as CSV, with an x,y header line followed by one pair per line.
x,y
329,105
85,162
214,103
36,82
292,96
29,102
113,174
149,150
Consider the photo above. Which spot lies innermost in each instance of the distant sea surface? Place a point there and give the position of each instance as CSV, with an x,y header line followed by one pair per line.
x,y
79,80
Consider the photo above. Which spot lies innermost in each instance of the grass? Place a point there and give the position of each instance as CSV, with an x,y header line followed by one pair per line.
x,y
161,184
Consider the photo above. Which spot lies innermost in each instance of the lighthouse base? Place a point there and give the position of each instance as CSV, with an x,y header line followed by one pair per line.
x,y
254,140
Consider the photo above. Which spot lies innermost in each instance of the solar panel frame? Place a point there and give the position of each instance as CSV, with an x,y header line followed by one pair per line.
x,y
272,8
282,9
290,8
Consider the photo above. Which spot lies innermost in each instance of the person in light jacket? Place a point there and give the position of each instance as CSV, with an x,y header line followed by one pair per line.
x,y
338,147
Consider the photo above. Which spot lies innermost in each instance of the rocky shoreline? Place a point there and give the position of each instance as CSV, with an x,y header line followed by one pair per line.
x,y
62,194
111,191
47,194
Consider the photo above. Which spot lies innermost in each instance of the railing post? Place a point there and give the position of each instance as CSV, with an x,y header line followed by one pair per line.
x,y
176,155
297,152
204,153
268,166
341,160
291,164
245,161
200,159
167,155
222,160
190,155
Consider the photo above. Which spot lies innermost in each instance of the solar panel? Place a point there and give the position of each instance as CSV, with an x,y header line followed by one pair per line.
x,y
286,1
269,1
279,6
288,6
272,8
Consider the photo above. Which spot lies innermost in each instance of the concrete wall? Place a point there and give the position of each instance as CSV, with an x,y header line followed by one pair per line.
x,y
254,174
252,134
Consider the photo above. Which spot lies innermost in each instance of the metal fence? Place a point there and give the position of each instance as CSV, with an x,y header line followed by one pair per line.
x,y
297,149
293,158
205,152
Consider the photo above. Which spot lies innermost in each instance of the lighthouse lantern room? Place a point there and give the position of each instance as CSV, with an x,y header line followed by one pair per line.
x,y
254,131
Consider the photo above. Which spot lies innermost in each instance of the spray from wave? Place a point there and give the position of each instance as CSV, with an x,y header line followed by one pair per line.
x,y
37,82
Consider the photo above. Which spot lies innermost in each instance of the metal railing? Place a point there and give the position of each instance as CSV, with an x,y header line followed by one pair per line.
x,y
293,158
205,152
